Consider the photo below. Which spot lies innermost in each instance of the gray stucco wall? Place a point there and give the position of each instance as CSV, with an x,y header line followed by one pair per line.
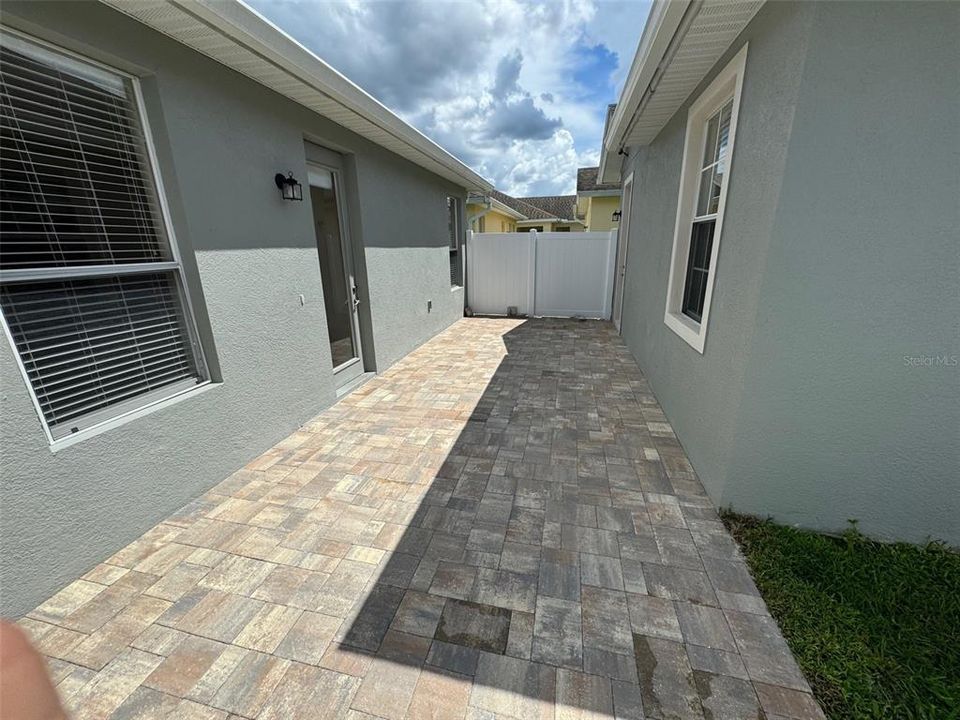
x,y
220,138
838,262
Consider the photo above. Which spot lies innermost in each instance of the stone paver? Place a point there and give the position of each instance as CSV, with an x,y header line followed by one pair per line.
x,y
502,525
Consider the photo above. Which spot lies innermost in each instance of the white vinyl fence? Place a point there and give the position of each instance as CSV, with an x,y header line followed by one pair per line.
x,y
557,274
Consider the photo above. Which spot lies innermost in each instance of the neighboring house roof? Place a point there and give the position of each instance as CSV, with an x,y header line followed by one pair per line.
x,y
587,181
240,38
681,42
555,207
494,204
528,211
561,208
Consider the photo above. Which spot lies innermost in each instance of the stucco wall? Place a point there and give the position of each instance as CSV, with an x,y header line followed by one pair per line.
x,y
249,255
839,260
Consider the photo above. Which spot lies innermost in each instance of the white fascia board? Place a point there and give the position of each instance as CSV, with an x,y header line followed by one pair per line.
x,y
662,24
603,173
491,203
504,209
541,221
600,193
246,27
270,40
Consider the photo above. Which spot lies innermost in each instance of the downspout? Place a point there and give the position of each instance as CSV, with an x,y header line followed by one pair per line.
x,y
488,206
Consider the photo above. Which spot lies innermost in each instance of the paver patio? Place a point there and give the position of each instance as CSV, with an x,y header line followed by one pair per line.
x,y
501,525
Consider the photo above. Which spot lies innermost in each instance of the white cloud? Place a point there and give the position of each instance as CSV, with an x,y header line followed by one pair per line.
x,y
619,25
515,88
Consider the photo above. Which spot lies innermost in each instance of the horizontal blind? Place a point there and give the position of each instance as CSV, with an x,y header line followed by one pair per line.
x,y
91,343
454,269
453,238
76,196
76,190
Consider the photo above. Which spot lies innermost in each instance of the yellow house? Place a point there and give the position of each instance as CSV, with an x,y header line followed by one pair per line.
x,y
489,214
595,208
499,212
551,213
598,204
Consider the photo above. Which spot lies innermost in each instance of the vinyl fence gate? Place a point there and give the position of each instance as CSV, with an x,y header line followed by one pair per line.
x,y
552,274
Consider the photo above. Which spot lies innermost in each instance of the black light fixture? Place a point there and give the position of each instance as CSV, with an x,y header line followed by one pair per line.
x,y
290,189
616,215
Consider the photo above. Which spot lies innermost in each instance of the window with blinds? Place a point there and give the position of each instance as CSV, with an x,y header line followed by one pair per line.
x,y
453,233
701,203
710,183
91,291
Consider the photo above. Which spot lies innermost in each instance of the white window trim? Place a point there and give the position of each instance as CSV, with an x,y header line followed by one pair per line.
x,y
147,403
728,81
458,229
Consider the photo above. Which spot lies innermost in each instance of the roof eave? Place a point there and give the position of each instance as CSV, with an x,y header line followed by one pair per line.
x,y
505,209
662,24
539,221
247,28
609,192
679,33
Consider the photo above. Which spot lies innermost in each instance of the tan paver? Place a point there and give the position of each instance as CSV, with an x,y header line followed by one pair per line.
x,y
503,524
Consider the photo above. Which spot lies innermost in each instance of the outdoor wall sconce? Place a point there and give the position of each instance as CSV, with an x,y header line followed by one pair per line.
x,y
616,215
290,189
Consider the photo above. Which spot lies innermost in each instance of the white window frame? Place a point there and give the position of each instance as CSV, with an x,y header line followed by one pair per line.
x,y
728,83
150,401
455,202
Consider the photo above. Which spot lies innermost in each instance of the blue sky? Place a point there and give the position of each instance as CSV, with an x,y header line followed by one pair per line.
x,y
517,89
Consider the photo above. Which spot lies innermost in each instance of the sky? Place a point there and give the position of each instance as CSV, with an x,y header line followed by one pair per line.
x,y
517,89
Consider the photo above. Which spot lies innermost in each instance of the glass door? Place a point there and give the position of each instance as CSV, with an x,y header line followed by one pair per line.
x,y
340,296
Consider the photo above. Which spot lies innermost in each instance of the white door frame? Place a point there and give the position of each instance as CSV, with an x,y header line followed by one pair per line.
x,y
351,369
623,241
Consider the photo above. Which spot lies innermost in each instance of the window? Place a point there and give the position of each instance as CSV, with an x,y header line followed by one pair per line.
x,y
453,230
91,289
482,224
562,228
707,157
712,171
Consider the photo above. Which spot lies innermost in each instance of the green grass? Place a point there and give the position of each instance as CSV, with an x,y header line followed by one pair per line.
x,y
875,627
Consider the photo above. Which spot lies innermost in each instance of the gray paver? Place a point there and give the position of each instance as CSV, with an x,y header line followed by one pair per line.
x,y
704,626
503,525
601,571
764,651
666,679
654,616
606,620
557,634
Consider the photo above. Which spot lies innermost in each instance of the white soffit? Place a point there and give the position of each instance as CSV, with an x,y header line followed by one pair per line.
x,y
715,27
236,36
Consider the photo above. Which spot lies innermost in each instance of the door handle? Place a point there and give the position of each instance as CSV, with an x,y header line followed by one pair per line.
x,y
356,297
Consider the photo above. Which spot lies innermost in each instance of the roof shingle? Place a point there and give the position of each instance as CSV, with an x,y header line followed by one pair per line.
x,y
587,180
544,207
555,206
